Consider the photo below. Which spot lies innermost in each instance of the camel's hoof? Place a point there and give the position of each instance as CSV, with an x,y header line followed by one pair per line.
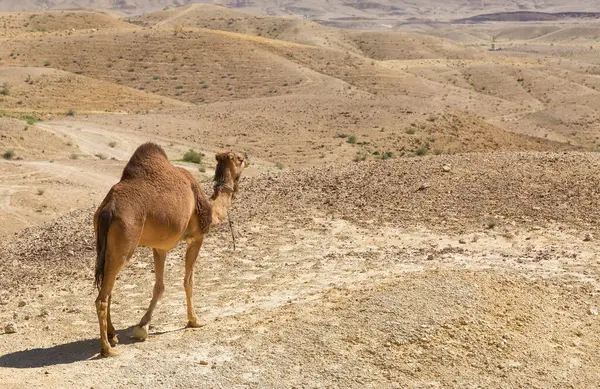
x,y
113,339
140,333
195,324
111,352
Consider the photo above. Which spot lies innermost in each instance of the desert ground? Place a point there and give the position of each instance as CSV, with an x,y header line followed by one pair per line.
x,y
421,210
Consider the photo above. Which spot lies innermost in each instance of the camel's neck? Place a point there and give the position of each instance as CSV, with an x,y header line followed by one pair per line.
x,y
221,201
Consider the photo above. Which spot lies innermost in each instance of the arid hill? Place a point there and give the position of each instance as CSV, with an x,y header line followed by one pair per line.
x,y
420,209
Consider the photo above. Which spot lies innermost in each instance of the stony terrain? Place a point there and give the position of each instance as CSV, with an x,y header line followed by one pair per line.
x,y
419,212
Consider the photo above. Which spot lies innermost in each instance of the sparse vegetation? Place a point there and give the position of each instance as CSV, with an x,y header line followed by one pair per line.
x,y
30,119
9,154
423,150
381,213
360,156
5,89
74,156
193,156
71,112
47,63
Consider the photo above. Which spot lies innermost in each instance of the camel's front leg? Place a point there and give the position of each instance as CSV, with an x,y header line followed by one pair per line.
x,y
141,330
188,282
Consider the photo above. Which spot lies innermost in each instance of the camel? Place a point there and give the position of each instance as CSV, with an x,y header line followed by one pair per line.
x,y
156,204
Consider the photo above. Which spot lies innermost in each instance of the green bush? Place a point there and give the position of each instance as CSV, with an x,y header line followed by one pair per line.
x,y
5,89
30,119
9,154
421,151
193,156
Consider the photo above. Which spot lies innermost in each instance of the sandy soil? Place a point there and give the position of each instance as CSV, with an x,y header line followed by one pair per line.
x,y
419,212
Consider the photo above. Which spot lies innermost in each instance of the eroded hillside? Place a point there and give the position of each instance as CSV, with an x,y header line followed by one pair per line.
x,y
419,211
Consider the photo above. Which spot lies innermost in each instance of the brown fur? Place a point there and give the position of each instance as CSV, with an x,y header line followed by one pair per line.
x,y
140,164
155,204
104,219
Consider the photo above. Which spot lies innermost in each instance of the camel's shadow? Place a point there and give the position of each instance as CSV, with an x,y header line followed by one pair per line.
x,y
63,353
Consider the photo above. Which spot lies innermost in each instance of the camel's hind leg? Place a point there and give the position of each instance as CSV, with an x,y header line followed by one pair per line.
x,y
112,333
141,330
112,268
188,282
120,247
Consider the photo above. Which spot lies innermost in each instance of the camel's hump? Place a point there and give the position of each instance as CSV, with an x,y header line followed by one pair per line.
x,y
147,158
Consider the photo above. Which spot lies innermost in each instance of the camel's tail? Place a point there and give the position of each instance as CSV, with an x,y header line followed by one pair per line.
x,y
104,219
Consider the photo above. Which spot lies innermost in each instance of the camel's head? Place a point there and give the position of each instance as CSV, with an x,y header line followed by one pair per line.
x,y
229,169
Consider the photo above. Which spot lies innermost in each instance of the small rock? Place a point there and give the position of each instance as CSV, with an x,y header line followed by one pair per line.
x,y
462,241
22,304
588,237
512,364
446,168
424,186
10,328
203,363
430,257
593,311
